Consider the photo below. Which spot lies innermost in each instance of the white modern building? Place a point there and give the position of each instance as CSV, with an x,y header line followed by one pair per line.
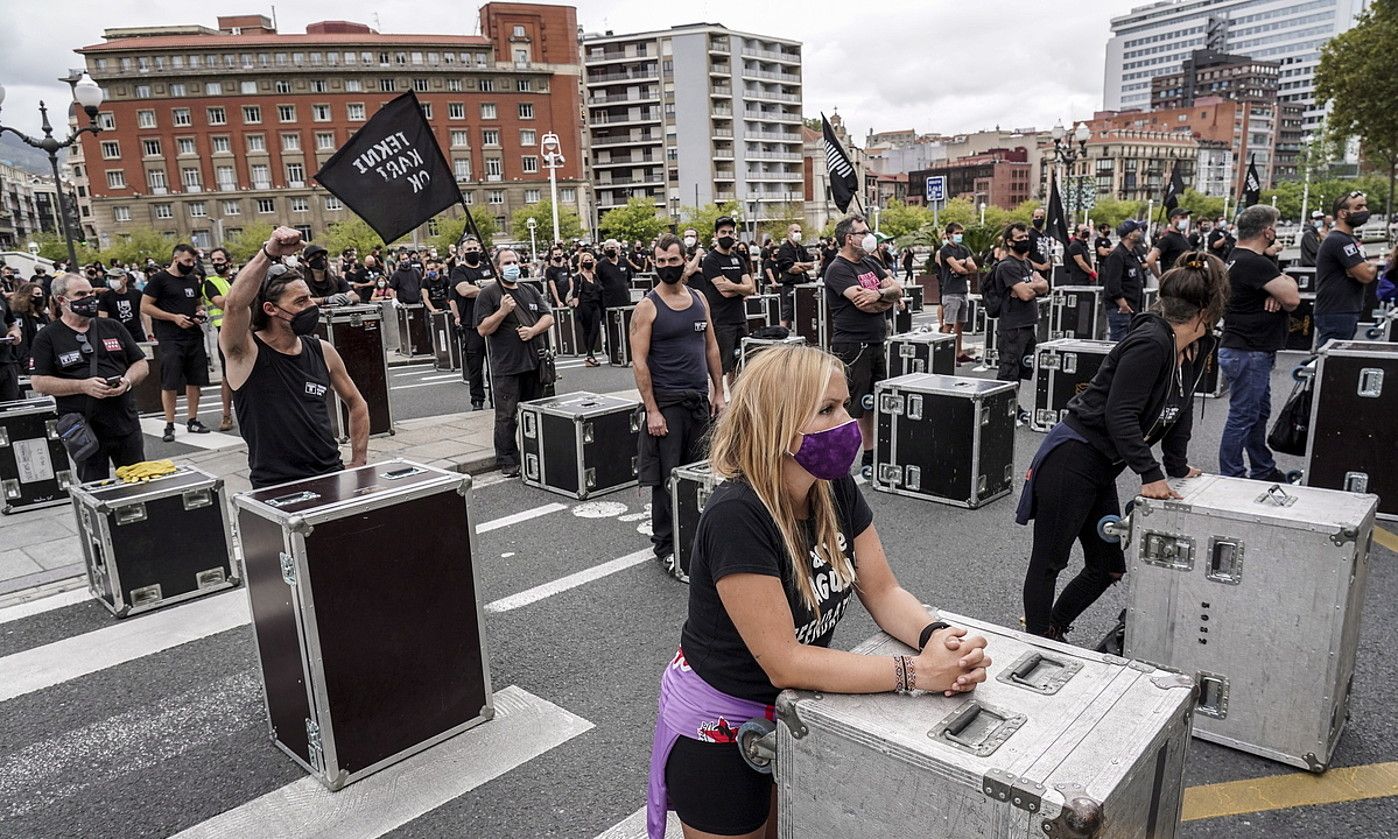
x,y
1155,39
693,115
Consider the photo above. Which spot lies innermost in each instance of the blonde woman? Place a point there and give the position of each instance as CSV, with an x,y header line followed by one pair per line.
x,y
781,546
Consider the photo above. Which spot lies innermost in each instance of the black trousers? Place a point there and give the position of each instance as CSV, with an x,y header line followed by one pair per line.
x,y
590,319
473,362
687,421
509,391
9,381
122,450
1073,489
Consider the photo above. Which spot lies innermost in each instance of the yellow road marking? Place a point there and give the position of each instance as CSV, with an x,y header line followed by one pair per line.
x,y
1280,792
1386,538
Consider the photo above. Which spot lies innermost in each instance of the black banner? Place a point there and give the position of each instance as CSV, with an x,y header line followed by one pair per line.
x,y
1173,190
844,183
1057,224
1252,185
392,173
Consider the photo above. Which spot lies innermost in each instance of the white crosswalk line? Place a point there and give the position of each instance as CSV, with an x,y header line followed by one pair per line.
x,y
524,727
213,441
51,664
562,584
44,604
634,827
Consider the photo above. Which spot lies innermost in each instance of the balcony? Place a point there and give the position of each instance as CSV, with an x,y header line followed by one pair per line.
x,y
721,70
644,139
768,55
725,175
770,96
719,46
722,90
777,136
725,196
753,73
227,187
626,161
609,56
193,188
770,116
722,132
771,155
722,111
752,177
623,119
623,97
723,154
649,73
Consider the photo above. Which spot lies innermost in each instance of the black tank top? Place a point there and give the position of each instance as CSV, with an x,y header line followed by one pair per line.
x,y
678,357
284,415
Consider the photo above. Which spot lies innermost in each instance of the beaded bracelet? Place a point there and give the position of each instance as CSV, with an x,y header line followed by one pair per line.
x,y
905,680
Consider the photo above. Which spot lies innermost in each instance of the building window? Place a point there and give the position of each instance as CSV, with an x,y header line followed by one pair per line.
x,y
490,136
488,110
332,203
252,114
261,176
320,113
453,85
286,113
386,85
426,109
108,121
300,205
493,168
353,85
531,196
420,85
456,110
226,178
527,138
150,148
217,116
461,167
177,89
304,230
495,196
487,86
281,86
354,112
526,110
319,86
155,179
470,196
185,145
266,205
190,177
524,85
142,91
256,142
116,179
530,163
568,195
291,142
518,31
459,139
164,211
121,213
247,88
180,117
325,140
111,150
145,119
295,174
198,209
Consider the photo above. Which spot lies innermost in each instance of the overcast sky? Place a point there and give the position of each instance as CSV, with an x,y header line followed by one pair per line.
x,y
933,65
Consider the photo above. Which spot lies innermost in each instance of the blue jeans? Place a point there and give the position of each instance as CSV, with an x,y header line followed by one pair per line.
x,y
1341,326
1249,405
1118,323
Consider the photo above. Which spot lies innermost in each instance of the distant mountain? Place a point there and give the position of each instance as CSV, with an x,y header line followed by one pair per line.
x,y
16,152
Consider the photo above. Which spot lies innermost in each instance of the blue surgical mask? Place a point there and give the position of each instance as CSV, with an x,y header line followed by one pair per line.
x,y
956,238
510,273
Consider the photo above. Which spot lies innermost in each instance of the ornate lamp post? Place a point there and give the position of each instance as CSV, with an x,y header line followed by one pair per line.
x,y
1065,154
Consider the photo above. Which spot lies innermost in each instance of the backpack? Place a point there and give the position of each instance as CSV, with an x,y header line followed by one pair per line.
x,y
992,295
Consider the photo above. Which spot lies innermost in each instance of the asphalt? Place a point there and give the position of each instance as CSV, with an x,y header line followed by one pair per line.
x,y
163,742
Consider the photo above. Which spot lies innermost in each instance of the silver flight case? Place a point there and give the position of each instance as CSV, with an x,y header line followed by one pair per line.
x,y
1059,742
1255,590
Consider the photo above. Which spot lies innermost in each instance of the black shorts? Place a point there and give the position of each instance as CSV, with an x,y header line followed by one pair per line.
x,y
183,363
713,790
1016,354
729,338
865,366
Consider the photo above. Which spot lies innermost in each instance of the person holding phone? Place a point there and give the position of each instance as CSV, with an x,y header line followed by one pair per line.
x,y
173,301
89,365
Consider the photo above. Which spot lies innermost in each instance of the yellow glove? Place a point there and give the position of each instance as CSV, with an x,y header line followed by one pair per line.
x,y
145,470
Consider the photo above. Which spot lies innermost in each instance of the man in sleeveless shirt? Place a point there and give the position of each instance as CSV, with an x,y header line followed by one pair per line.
x,y
675,358
280,372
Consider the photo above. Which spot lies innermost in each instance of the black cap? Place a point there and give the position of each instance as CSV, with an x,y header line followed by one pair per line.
x,y
723,221
314,251
1126,228
1178,211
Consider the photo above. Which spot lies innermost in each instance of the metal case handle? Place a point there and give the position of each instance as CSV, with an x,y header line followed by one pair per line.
x,y
530,429
1370,382
1225,560
404,472
956,730
130,514
292,498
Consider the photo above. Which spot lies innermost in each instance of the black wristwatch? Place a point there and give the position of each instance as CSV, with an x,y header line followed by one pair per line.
x,y
927,632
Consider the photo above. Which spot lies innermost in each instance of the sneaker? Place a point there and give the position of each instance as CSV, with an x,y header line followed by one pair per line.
x,y
226,424
668,564
169,435
965,358
510,471
197,427
1276,476
477,406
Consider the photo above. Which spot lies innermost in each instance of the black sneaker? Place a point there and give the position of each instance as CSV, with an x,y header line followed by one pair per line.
x,y
510,471
197,427
477,406
169,435
1276,476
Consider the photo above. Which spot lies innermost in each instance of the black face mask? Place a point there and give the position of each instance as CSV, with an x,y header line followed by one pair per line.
x,y
86,307
1038,224
725,242
1020,246
669,274
304,322
588,264
184,270
318,263
220,268
472,257
1357,219
610,252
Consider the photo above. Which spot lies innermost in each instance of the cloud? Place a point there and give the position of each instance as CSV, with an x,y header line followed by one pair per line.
x,y
931,65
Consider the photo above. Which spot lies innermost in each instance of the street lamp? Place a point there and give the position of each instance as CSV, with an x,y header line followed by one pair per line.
x,y
89,96
533,248
551,150
876,218
982,214
674,214
1064,152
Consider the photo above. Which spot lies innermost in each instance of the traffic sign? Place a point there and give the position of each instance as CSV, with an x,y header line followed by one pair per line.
x,y
936,189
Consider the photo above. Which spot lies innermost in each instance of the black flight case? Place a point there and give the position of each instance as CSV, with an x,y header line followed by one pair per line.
x,y
414,330
690,488
617,329
1077,312
1353,444
1063,369
356,332
811,314
567,333
446,344
34,470
580,444
921,351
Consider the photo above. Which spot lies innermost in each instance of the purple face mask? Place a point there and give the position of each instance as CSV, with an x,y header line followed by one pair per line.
x,y
829,454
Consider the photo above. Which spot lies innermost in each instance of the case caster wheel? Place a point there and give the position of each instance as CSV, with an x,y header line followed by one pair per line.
x,y
1112,529
757,743
1295,476
1300,373
1374,333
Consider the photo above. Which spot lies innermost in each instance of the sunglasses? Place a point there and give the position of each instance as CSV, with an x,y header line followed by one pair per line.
x,y
82,343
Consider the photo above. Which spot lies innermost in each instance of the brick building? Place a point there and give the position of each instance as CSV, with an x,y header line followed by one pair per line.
x,y
208,130
998,177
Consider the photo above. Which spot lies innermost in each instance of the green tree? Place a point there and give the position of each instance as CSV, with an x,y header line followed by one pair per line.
x,y
54,246
242,246
569,224
449,230
780,217
1201,205
1113,211
636,220
899,219
139,245
702,218
1356,79
354,232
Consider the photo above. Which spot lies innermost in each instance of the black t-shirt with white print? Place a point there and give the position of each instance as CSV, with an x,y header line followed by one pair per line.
x,y
736,535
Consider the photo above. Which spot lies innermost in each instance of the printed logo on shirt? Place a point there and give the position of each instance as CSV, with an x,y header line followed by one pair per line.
x,y
315,389
869,279
701,325
69,358
1353,250
124,309
827,586
111,344
189,292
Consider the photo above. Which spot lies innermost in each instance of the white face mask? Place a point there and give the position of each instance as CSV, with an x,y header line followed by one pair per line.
x,y
689,241
869,244
796,236
1183,225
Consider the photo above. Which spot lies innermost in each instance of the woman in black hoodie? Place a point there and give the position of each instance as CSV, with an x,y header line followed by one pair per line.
x,y
1141,395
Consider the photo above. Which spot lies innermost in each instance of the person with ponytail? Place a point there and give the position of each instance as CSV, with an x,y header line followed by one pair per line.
x,y
781,546
1141,396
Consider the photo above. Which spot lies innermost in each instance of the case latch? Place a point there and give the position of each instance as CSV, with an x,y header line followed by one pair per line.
x,y
1356,482
288,563
891,404
1168,550
314,751
1370,382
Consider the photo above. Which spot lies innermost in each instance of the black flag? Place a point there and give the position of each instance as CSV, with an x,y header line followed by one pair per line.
x,y
1252,185
843,182
1057,225
392,173
1173,190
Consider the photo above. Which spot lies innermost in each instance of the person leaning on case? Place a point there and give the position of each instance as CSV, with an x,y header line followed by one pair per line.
x,y
781,546
1141,395
62,366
